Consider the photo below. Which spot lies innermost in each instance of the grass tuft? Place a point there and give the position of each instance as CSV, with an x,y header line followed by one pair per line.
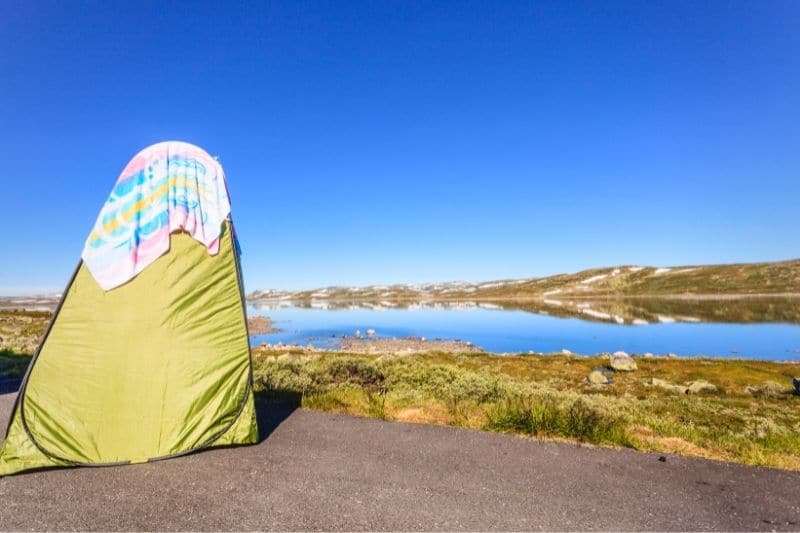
x,y
546,417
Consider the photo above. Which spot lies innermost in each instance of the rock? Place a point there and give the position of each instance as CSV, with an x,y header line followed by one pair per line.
x,y
622,362
772,389
666,385
648,355
358,334
768,389
672,355
371,333
597,378
700,385
796,383
566,352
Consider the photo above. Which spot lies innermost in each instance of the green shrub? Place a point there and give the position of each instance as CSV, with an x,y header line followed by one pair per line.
x,y
352,371
13,364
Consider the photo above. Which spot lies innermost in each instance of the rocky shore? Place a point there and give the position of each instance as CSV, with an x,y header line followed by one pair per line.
x,y
405,345
260,325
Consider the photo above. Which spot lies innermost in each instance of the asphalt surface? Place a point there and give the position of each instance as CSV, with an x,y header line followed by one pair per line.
x,y
330,472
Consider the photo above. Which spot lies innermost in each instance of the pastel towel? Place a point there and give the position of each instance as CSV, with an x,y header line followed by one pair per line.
x,y
167,187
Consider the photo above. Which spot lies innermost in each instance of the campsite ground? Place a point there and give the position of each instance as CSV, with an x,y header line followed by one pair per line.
x,y
323,471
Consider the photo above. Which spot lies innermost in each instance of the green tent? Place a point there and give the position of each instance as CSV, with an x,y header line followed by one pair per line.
x,y
156,367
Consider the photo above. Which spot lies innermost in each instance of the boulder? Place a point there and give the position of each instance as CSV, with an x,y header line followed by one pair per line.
x,y
622,362
772,389
597,378
648,355
700,385
666,385
768,389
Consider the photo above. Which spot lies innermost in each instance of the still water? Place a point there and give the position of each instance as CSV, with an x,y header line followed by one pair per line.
x,y
761,330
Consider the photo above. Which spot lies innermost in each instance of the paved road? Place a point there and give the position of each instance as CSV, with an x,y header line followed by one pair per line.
x,y
322,471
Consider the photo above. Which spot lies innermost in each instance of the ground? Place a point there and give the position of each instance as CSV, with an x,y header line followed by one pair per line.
x,y
322,471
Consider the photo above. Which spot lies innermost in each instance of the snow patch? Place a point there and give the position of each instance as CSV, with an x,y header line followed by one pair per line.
x,y
594,278
596,314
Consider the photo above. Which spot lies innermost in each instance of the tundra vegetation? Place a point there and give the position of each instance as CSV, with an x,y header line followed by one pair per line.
x,y
733,410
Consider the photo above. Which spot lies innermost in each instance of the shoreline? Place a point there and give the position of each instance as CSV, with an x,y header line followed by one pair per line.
x,y
421,345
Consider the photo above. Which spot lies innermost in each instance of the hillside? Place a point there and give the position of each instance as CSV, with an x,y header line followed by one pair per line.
x,y
702,280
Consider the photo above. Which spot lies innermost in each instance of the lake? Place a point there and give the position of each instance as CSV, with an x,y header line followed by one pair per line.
x,y
751,328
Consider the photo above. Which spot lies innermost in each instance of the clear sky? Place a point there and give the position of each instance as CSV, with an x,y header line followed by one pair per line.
x,y
372,142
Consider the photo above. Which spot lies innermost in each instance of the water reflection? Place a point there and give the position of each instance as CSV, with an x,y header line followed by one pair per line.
x,y
623,311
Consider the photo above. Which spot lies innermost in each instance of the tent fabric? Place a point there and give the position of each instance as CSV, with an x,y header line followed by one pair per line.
x,y
166,187
155,368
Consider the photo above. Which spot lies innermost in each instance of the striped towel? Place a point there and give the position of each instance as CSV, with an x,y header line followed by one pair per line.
x,y
167,187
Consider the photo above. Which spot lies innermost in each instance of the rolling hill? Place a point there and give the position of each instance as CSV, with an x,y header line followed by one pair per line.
x,y
776,278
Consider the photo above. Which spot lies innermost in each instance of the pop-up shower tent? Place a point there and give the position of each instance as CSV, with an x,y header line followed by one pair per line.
x,y
147,356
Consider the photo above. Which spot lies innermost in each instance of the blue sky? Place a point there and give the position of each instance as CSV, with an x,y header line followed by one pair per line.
x,y
373,142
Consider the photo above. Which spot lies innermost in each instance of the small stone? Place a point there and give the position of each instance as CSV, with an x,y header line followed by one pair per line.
x,y
371,333
622,362
358,334
662,459
597,378
566,352
700,385
796,383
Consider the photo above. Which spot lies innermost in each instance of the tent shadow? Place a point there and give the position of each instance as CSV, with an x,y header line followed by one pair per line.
x,y
9,385
272,409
